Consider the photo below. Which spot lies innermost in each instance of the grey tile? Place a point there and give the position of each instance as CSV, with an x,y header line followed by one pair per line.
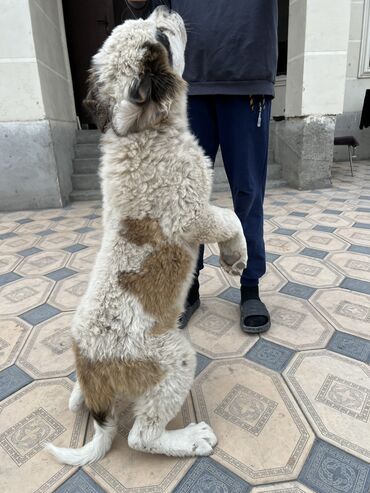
x,y
361,225
202,363
60,274
312,252
26,220
307,201
208,476
72,376
279,203
11,380
75,248
8,277
297,290
29,251
46,232
337,200
270,355
359,249
271,257
331,470
80,482
213,260
363,209
5,236
58,218
325,229
364,197
332,211
85,229
351,346
39,314
356,285
284,231
298,214
267,216
91,216
231,294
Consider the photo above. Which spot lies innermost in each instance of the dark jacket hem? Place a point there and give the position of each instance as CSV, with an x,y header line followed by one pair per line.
x,y
236,88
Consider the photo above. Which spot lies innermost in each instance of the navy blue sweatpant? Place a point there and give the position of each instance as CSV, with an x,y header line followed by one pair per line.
x,y
231,122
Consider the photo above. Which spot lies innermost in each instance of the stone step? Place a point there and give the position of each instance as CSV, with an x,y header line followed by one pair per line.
x,y
86,181
87,136
87,150
85,195
85,165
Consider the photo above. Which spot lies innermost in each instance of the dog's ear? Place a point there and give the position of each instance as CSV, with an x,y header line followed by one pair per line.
x,y
99,110
157,82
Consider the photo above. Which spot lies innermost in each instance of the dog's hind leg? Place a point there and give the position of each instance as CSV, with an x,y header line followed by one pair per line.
x,y
76,399
158,406
99,393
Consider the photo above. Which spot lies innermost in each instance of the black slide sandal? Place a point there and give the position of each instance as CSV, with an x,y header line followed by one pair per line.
x,y
254,308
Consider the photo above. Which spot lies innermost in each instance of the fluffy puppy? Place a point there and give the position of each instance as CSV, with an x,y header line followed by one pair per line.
x,y
156,185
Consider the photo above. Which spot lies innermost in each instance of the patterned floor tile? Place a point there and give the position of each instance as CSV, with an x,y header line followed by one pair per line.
x,y
42,263
68,292
347,311
248,404
308,271
8,277
270,355
34,227
207,475
11,380
60,274
16,243
330,470
212,281
281,244
351,346
355,236
93,238
24,294
296,324
314,253
202,363
352,264
48,351
83,260
13,333
330,220
293,487
58,241
71,224
356,285
334,392
292,222
214,330
8,227
8,263
80,482
125,470
28,419
39,314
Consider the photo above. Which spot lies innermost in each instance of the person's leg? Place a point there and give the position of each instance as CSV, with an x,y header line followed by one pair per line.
x,y
244,133
203,123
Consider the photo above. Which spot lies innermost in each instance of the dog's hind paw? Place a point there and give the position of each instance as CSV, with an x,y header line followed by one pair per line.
x,y
201,438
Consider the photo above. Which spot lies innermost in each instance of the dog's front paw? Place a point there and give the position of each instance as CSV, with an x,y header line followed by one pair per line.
x,y
233,263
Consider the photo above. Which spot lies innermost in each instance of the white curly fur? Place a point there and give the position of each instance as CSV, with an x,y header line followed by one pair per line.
x,y
158,172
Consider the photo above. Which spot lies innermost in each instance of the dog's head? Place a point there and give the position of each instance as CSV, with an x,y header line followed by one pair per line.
x,y
136,77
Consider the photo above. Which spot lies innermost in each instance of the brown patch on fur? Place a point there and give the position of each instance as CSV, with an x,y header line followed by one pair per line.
x,y
142,231
101,381
158,284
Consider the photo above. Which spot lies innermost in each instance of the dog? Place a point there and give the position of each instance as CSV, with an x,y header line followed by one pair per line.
x,y
156,185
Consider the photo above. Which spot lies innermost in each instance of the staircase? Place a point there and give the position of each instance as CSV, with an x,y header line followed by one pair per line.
x,y
85,179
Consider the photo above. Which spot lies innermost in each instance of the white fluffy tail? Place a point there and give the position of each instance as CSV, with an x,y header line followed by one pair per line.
x,y
92,451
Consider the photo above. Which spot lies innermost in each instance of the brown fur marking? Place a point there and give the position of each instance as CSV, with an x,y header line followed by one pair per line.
x,y
101,381
158,284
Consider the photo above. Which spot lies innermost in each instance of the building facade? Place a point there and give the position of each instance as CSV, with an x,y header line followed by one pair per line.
x,y
44,50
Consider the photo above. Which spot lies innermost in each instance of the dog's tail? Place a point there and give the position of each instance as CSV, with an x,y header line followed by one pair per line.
x,y
92,451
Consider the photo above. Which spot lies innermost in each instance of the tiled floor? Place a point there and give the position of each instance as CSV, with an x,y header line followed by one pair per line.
x,y
291,409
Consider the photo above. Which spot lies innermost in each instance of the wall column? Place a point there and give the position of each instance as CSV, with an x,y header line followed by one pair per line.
x,y
316,77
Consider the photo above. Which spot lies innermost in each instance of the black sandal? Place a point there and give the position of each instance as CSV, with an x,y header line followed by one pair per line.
x,y
188,313
254,308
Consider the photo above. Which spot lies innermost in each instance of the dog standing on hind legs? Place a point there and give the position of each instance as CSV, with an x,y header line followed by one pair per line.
x,y
156,185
